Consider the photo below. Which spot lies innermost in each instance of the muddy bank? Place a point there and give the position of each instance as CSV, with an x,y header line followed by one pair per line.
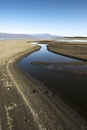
x,y
76,50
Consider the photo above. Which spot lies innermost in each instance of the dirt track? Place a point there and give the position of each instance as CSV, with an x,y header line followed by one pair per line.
x,y
23,103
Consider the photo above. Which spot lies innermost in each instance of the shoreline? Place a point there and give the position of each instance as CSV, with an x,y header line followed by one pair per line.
x,y
44,113
61,48
67,55
44,90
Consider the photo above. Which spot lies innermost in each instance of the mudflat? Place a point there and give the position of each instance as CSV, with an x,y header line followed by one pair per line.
x,y
25,104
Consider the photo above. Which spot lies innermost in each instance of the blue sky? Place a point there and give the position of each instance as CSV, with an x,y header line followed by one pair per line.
x,y
60,17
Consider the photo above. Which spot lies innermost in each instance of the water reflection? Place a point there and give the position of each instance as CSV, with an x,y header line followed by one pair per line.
x,y
73,87
46,56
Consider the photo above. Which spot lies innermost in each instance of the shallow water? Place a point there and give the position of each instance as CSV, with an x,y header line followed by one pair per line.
x,y
72,87
72,40
43,55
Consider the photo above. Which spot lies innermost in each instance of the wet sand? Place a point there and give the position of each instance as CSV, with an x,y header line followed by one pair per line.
x,y
25,104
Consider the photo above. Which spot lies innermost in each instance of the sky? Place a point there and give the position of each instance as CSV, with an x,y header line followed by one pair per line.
x,y
57,17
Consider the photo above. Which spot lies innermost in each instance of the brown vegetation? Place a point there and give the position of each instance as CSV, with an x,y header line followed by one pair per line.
x,y
76,49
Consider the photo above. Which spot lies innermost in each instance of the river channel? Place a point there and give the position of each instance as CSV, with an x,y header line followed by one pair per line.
x,y
70,86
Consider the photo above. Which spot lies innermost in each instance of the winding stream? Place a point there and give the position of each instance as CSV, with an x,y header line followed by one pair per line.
x,y
70,86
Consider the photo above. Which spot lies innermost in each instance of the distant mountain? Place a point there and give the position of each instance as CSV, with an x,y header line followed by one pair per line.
x,y
9,35
46,35
31,36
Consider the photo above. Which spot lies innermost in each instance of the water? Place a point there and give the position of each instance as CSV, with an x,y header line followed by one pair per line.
x,y
72,87
72,40
46,56
42,55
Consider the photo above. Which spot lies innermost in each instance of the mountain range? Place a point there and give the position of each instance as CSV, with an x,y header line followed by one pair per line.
x,y
30,36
